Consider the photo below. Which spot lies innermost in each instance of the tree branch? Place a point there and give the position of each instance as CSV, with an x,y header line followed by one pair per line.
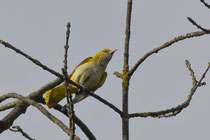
x,y
18,129
106,103
174,111
35,61
127,32
119,75
207,5
20,107
125,78
82,126
198,26
40,108
165,45
8,106
70,106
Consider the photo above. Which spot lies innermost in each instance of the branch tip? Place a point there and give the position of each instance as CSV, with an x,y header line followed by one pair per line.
x,y
18,129
176,110
207,5
198,26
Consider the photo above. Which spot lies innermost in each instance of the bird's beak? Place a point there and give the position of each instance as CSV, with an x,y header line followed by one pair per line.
x,y
112,51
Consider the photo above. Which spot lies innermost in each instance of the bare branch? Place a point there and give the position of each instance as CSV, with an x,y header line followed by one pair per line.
x,y
207,5
18,129
106,103
198,26
35,61
58,107
70,106
192,74
169,114
20,107
40,108
126,79
165,45
127,32
174,111
8,105
82,126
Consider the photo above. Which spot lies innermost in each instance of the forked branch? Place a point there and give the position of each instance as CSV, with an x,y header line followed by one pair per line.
x,y
82,126
165,45
198,26
18,129
40,108
176,110
70,106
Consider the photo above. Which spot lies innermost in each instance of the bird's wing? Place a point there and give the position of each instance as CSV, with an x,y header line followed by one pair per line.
x,y
102,80
83,95
83,62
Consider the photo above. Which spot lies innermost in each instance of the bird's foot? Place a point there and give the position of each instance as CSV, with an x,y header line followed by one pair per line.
x,y
91,92
64,108
83,89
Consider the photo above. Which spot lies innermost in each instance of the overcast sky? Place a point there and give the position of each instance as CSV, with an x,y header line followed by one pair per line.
x,y
161,82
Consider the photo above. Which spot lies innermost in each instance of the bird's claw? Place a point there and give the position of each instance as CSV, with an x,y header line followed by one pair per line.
x,y
91,92
83,88
64,108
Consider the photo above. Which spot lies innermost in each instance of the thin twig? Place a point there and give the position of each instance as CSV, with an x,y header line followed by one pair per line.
x,y
198,26
165,45
70,106
81,125
192,74
100,99
127,33
18,129
169,114
174,111
35,61
119,75
207,5
106,103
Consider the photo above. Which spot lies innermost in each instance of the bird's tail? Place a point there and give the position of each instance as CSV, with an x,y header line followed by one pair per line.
x,y
52,97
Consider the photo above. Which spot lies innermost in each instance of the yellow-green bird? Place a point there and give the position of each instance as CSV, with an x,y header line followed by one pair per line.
x,y
90,73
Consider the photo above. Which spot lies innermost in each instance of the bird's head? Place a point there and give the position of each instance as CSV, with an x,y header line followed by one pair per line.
x,y
105,55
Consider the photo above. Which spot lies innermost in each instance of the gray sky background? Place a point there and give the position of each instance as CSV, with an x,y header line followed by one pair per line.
x,y
161,82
